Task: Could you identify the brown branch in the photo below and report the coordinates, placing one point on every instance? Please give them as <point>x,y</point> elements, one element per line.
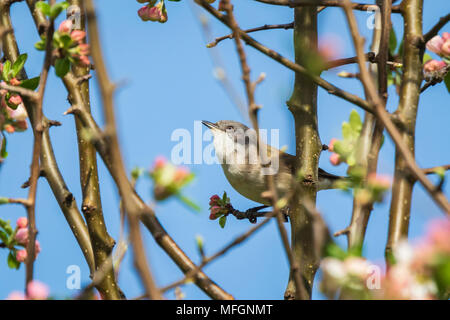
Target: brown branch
<point>331,89</point>
<point>264,27</point>
<point>434,169</point>
<point>402,149</point>
<point>436,28</point>
<point>370,56</point>
<point>125,189</point>
<point>102,243</point>
<point>325,3</point>
<point>38,128</point>
<point>48,162</point>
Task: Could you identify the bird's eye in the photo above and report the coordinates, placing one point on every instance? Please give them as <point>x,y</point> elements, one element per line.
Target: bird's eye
<point>230,128</point>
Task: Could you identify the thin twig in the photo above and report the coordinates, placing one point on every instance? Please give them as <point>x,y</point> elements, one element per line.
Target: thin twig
<point>285,26</point>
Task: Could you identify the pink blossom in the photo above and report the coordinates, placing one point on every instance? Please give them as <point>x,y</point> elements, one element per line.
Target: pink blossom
<point>21,255</point>
<point>22,222</point>
<point>16,295</point>
<point>446,36</point>
<point>181,174</point>
<point>438,234</point>
<point>37,290</point>
<point>22,236</point>
<point>65,26</point>
<point>435,44</point>
<point>330,47</point>
<point>14,82</point>
<point>19,114</point>
<point>335,159</point>
<point>433,65</point>
<point>160,162</point>
<point>379,180</point>
<point>37,247</point>
<point>78,35</point>
<point>84,60</point>
<point>83,49</point>
<point>445,49</point>
<point>15,100</point>
<point>9,128</point>
<point>331,144</point>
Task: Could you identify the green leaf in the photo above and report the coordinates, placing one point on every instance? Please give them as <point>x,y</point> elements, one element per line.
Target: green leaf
<point>65,41</point>
<point>222,221</point>
<point>334,251</point>
<point>355,122</point>
<point>346,130</point>
<point>3,153</point>
<point>62,66</point>
<point>6,70</point>
<point>40,45</point>
<point>12,261</point>
<point>426,57</point>
<point>30,84</point>
<point>6,225</point>
<point>392,41</point>
<point>57,8</point>
<point>18,64</point>
<point>447,81</point>
<point>43,7</point>
<point>4,237</point>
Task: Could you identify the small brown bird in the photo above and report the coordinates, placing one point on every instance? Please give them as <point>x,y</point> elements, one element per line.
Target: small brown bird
<point>236,146</point>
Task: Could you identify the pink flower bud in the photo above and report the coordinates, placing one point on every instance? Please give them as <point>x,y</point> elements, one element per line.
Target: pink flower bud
<point>331,144</point>
<point>9,128</point>
<point>433,65</point>
<point>335,159</point>
<point>153,13</point>
<point>65,26</point>
<point>213,200</point>
<point>21,255</point>
<point>15,100</point>
<point>84,60</point>
<point>435,44</point>
<point>37,290</point>
<point>379,180</point>
<point>22,222</point>
<point>213,212</point>
<point>83,49</point>
<point>181,174</point>
<point>446,36</point>
<point>160,162</point>
<point>78,35</point>
<point>445,49</point>
<point>37,247</point>
<point>14,82</point>
<point>18,114</point>
<point>22,236</point>
<point>16,295</point>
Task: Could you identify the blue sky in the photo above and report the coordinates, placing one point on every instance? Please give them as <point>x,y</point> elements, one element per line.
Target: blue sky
<point>166,82</point>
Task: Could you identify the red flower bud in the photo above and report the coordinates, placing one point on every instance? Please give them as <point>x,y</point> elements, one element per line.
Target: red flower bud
<point>83,49</point>
<point>331,144</point>
<point>213,200</point>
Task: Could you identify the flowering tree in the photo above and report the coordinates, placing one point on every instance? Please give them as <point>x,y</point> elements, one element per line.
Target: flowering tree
<point>414,271</point>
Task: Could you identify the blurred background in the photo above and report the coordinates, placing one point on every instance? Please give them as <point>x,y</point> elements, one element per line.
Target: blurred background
<point>166,82</point>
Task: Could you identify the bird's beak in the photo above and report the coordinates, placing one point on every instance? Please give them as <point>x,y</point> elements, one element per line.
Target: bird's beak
<point>210,125</point>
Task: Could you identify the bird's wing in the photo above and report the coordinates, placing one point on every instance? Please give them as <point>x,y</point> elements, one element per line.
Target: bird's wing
<point>289,160</point>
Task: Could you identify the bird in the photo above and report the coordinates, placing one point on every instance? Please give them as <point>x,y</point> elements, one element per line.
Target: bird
<point>235,147</point>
